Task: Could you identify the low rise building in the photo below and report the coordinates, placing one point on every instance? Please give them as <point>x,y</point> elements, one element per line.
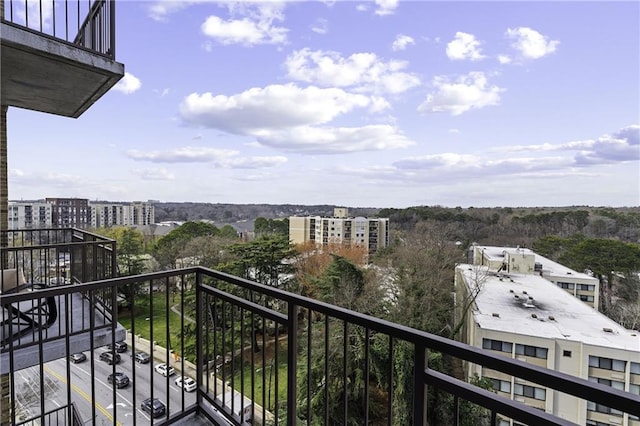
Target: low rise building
<point>521,315</point>
<point>524,261</point>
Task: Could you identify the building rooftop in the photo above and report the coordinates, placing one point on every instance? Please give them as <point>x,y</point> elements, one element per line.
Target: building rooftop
<point>549,266</point>
<point>530,305</point>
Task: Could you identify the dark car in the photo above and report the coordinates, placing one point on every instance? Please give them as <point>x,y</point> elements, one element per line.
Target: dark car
<point>120,347</point>
<point>77,357</point>
<point>154,407</point>
<point>120,379</point>
<point>110,357</point>
<point>142,357</point>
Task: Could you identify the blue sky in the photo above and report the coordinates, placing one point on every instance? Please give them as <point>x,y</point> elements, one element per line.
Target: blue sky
<point>355,103</point>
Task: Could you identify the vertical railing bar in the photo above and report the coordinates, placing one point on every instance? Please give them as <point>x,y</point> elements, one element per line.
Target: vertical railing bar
<point>326,369</point>
<point>418,384</point>
<point>53,14</point>
<point>277,368</point>
<point>152,342</point>
<point>366,375</point>
<point>132,295</point>
<point>493,417</point>
<point>181,353</point>
<point>292,363</point>
<point>345,354</point>
<point>233,357</point>
<point>309,333</point>
<point>254,342</point>
<point>224,351</point>
<point>92,323</point>
<point>242,314</point>
<point>170,352</point>
<point>112,30</point>
<point>67,345</point>
<point>264,368</point>
<point>114,322</point>
<point>66,20</point>
<point>199,343</point>
<point>390,384</point>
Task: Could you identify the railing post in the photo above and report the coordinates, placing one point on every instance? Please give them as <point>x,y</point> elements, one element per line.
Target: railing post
<point>292,364</point>
<point>112,28</point>
<point>199,341</point>
<point>419,387</point>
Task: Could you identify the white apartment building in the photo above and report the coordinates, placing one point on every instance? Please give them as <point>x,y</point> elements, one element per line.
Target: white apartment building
<point>121,214</point>
<point>525,261</point>
<point>53,212</point>
<point>522,315</point>
<point>371,233</point>
<point>24,215</point>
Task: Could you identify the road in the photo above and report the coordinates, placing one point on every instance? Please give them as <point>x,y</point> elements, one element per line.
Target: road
<point>122,404</point>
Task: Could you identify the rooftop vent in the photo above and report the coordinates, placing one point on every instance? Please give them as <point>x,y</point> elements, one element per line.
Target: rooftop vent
<point>511,291</point>
<point>552,318</point>
<point>568,272</point>
<point>528,305</point>
<point>516,296</point>
<point>607,330</point>
<point>530,297</point>
<point>534,316</point>
<point>495,314</point>
<point>524,291</point>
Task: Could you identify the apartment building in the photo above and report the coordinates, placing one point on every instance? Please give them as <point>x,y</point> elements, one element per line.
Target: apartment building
<point>121,214</point>
<point>37,214</point>
<point>522,315</point>
<point>72,212</point>
<point>371,233</point>
<point>522,260</point>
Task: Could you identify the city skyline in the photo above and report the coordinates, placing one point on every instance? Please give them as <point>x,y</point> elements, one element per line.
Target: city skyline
<point>354,103</point>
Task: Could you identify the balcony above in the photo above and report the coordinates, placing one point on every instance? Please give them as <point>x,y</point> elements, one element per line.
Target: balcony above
<point>63,74</point>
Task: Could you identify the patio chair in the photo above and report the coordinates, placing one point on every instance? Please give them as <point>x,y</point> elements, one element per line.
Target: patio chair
<point>19,319</point>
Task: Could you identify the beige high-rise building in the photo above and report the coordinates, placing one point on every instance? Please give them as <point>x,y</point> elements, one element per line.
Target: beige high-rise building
<point>371,233</point>
<point>522,315</point>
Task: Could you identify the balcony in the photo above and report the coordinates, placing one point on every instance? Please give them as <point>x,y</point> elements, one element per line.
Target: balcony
<point>258,355</point>
<point>57,57</point>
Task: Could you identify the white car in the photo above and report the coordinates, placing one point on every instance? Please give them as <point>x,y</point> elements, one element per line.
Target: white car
<point>165,370</point>
<point>186,383</point>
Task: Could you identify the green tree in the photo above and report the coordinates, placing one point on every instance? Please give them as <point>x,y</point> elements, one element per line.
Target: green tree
<point>169,247</point>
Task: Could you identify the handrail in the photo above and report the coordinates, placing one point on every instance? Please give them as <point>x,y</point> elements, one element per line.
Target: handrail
<point>62,21</point>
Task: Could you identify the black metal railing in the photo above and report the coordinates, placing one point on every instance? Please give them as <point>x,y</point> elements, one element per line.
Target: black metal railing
<point>50,258</point>
<point>86,23</point>
<point>262,354</point>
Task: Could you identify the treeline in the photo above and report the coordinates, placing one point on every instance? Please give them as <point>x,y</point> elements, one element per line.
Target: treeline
<point>506,226</point>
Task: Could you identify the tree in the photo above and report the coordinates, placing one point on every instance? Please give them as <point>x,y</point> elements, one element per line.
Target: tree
<point>169,247</point>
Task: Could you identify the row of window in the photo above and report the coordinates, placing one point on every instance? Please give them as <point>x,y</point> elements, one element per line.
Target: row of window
<point>585,298</point>
<point>611,364</point>
<point>530,391</point>
<point>584,287</point>
<point>527,350</point>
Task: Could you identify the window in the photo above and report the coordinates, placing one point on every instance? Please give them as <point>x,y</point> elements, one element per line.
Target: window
<point>635,367</point>
<point>501,385</point>
<point>586,287</point>
<point>606,363</point>
<point>497,345</point>
<point>585,298</point>
<point>530,391</point>
<point>533,351</point>
<point>566,353</point>
<point>566,286</point>
<point>592,406</point>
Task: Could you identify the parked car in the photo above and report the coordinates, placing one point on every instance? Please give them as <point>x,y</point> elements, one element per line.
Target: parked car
<point>154,407</point>
<point>120,379</point>
<point>110,357</point>
<point>165,370</point>
<point>77,357</point>
<point>142,357</point>
<point>120,347</point>
<point>186,383</point>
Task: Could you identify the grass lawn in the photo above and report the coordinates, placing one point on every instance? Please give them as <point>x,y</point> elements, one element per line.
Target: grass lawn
<point>142,319</point>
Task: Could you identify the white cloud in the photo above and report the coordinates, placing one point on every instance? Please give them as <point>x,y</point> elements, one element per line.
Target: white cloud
<point>386,7</point>
<point>402,41</point>
<point>154,174</point>
<point>272,107</point>
<point>321,26</point>
<point>128,84</point>
<point>223,158</point>
<point>504,59</point>
<point>255,25</point>
<point>467,92</point>
<point>530,43</point>
<point>362,7</point>
<point>361,71</point>
<point>464,46</point>
<point>335,140</point>
<point>620,147</point>
<point>160,9</point>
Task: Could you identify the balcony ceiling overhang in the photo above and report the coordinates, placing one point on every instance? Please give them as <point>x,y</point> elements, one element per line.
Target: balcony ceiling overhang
<point>43,74</point>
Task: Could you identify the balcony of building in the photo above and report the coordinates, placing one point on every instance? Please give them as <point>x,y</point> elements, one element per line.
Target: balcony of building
<point>257,354</point>
<point>57,56</point>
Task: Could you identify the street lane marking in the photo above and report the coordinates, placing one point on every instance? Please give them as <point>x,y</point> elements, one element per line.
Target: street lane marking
<point>82,393</point>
